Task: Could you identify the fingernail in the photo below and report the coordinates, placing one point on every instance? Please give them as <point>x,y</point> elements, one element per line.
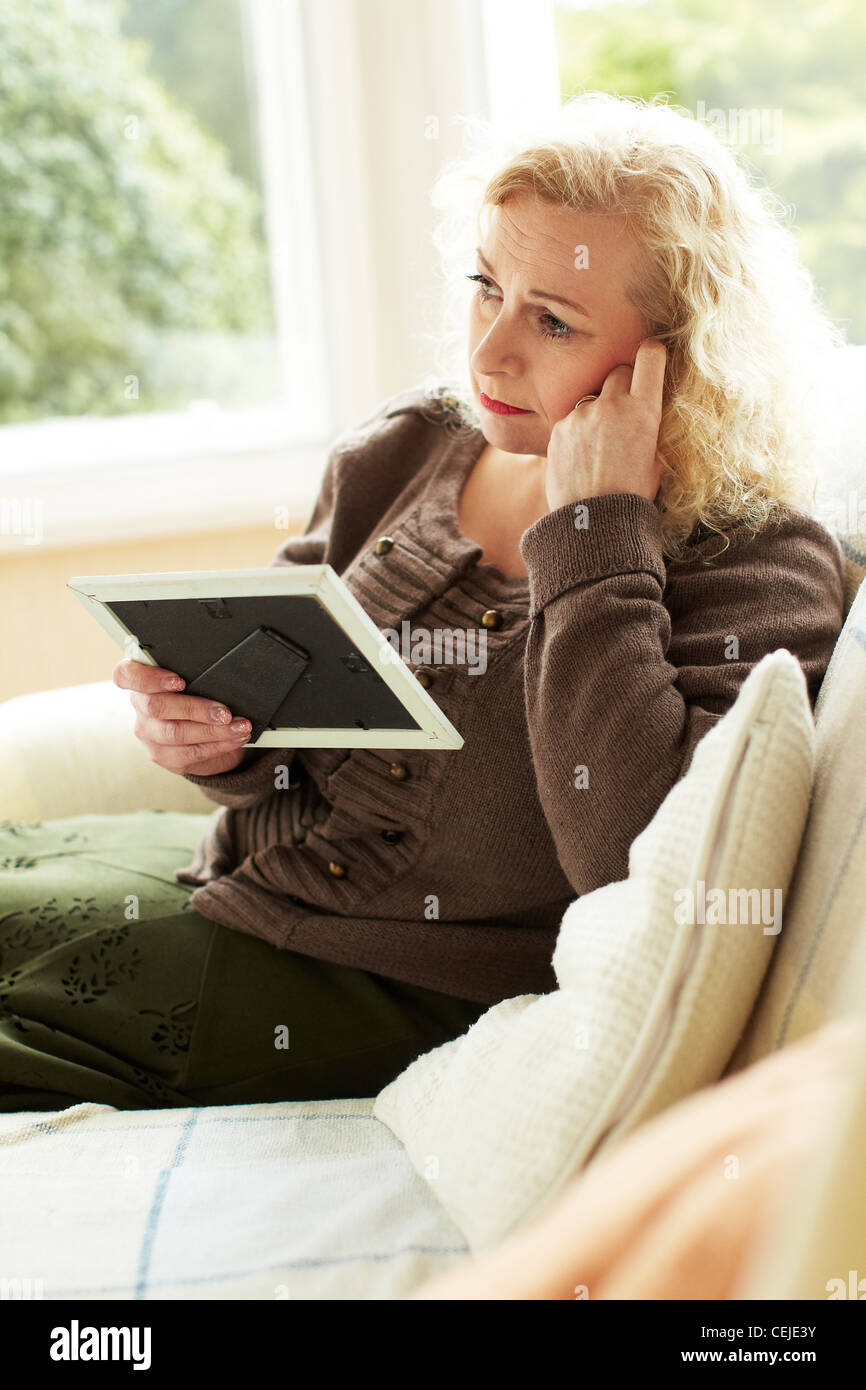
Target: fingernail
<point>173,683</point>
<point>219,712</point>
<point>239,726</point>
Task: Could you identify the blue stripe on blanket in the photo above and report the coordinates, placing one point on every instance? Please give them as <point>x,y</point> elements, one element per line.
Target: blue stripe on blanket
<point>156,1207</point>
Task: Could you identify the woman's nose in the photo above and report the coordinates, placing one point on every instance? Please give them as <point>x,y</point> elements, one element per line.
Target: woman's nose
<point>497,351</point>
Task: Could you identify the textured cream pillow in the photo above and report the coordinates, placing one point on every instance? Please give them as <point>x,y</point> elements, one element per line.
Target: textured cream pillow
<point>649,1006</point>
<point>827,901</point>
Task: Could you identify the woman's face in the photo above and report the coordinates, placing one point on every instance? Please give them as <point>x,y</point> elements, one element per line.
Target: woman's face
<point>535,350</point>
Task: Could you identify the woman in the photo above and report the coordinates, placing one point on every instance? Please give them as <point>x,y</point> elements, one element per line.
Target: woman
<point>613,499</point>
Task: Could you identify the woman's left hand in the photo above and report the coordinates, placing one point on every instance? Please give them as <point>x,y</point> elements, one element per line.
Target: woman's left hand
<point>609,444</point>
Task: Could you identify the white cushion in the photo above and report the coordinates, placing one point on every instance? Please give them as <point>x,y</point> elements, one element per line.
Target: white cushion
<point>827,902</point>
<point>649,1007</point>
<point>73,751</point>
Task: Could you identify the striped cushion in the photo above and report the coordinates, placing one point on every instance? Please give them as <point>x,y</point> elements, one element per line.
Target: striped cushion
<point>854,550</point>
<point>826,909</point>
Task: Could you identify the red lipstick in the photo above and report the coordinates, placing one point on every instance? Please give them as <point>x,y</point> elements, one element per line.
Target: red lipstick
<point>500,407</point>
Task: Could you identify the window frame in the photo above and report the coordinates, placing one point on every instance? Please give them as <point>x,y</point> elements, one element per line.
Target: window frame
<point>355,265</point>
<point>205,466</point>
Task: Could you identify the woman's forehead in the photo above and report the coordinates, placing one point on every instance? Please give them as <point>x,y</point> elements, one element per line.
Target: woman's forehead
<point>564,246</point>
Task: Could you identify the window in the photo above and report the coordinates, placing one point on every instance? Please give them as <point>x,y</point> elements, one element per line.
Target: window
<point>782,84</point>
<point>161,286</point>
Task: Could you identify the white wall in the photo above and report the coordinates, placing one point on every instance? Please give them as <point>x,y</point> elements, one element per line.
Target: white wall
<point>380,73</point>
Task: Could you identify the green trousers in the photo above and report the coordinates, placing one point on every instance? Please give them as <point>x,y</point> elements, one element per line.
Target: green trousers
<point>113,989</point>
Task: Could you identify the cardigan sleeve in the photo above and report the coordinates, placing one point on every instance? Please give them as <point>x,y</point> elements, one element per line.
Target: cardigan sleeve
<point>629,662</point>
<point>255,778</point>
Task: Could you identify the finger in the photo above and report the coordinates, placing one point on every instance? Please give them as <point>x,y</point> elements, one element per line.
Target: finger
<point>648,375</point>
<point>617,381</point>
<point>215,766</point>
<point>191,757</point>
<point>195,708</point>
<point>185,732</point>
<point>137,675</point>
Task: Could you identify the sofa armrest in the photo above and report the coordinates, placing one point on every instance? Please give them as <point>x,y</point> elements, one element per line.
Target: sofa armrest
<point>72,751</point>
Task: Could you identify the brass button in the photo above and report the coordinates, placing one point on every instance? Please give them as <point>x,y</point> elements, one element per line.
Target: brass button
<point>383,545</point>
<point>492,618</point>
<point>399,771</point>
<point>392,837</point>
<point>337,870</point>
<point>424,678</point>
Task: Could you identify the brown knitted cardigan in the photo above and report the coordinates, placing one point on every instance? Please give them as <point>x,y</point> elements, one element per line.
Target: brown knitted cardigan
<point>452,869</point>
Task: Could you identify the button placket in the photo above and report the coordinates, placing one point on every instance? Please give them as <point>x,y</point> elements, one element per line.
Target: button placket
<point>400,577</point>
<point>393,578</point>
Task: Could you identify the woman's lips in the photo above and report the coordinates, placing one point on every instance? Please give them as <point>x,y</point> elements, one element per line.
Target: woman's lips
<point>500,408</point>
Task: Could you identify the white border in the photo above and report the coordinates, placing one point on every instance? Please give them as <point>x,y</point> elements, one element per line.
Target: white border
<point>320,581</point>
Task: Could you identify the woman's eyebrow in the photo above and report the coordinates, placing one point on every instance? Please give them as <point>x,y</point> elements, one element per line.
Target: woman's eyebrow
<point>540,294</point>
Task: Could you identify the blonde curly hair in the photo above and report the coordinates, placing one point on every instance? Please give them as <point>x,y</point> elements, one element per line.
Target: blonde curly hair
<point>724,290</point>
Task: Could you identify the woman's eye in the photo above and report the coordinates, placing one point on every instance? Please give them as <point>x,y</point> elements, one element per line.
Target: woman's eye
<point>483,286</point>
<point>557,328</point>
<point>552,327</point>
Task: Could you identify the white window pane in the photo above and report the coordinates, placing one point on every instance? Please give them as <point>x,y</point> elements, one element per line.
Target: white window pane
<point>138,274</point>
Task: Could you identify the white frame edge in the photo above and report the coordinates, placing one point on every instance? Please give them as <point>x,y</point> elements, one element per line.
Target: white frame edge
<point>320,581</point>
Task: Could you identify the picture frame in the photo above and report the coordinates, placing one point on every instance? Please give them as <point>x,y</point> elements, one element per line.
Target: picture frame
<point>288,647</point>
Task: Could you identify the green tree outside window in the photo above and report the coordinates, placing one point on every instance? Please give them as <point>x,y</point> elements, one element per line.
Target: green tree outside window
<point>784,84</point>
<point>129,247</point>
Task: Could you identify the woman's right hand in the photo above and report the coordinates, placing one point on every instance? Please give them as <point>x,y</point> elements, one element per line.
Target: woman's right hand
<point>182,733</point>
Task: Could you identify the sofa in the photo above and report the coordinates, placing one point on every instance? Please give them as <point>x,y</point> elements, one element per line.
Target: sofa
<point>338,1198</point>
